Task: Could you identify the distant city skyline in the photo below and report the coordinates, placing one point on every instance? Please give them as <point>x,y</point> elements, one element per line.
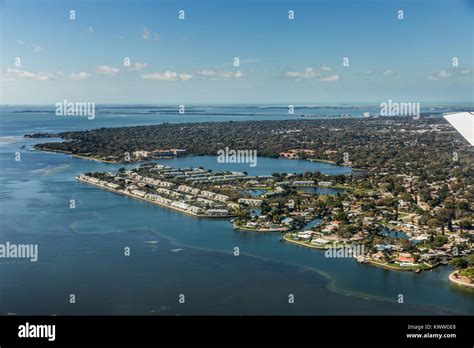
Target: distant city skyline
<point>142,52</point>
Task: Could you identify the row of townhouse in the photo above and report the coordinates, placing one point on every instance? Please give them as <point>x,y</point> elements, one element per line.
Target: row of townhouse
<point>139,193</point>
<point>206,201</point>
<point>194,180</point>
<point>174,173</point>
<point>303,183</point>
<point>157,182</point>
<point>188,189</point>
<point>98,181</point>
<point>215,196</point>
<point>175,204</point>
<point>194,171</point>
<point>217,212</point>
<point>158,199</point>
<point>169,192</point>
<point>158,153</point>
<point>89,179</point>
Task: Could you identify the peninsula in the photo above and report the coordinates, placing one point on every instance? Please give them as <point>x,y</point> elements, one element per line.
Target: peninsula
<point>411,206</point>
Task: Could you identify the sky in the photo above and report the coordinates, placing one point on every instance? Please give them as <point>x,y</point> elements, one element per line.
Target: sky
<point>423,54</point>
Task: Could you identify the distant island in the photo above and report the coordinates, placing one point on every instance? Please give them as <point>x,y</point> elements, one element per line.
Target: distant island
<point>411,208</point>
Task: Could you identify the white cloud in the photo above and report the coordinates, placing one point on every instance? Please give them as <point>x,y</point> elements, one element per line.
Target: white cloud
<point>138,66</point>
<point>326,68</point>
<point>34,47</point>
<point>450,73</point>
<point>185,77</point>
<point>311,74</point>
<point>147,35</point>
<point>388,73</point>
<point>292,74</point>
<point>23,74</point>
<point>308,73</point>
<point>107,70</point>
<point>167,76</point>
<point>90,29</point>
<point>80,76</point>
<point>440,75</point>
<point>214,74</point>
<point>330,78</point>
<point>444,74</point>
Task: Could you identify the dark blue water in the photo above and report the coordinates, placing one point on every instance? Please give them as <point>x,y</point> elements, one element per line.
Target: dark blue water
<point>81,250</point>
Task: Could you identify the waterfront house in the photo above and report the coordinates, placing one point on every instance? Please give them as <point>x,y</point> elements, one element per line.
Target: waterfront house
<point>405,260</point>
<point>178,152</point>
<point>140,154</point>
<point>320,241</point>
<point>180,205</point>
<point>139,193</point>
<point>305,235</point>
<point>378,256</point>
<point>112,185</point>
<point>195,210</point>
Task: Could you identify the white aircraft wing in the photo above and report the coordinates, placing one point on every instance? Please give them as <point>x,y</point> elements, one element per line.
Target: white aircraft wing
<point>463,122</point>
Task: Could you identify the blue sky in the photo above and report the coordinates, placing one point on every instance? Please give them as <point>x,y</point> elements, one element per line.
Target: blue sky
<point>191,60</point>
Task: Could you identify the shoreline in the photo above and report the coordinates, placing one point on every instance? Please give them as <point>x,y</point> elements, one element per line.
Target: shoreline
<point>368,262</point>
<point>164,157</point>
<point>303,244</point>
<point>258,229</point>
<point>458,282</point>
<point>80,156</point>
<point>154,202</point>
<point>400,268</point>
<point>332,162</point>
